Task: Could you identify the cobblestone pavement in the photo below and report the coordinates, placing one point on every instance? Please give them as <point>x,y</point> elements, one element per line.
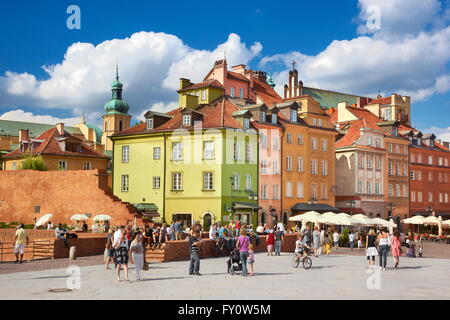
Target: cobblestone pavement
<point>331,277</point>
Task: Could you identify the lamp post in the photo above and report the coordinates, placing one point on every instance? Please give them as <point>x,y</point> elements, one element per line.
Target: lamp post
<point>253,197</point>
<point>351,204</point>
<point>390,208</point>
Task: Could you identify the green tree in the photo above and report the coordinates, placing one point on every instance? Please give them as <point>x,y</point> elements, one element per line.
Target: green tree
<point>33,163</point>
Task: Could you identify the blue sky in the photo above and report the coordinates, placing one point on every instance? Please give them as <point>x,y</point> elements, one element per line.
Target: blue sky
<point>156,42</point>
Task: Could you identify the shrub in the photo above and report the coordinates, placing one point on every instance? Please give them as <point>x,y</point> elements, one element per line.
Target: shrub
<point>343,239</point>
<point>33,163</point>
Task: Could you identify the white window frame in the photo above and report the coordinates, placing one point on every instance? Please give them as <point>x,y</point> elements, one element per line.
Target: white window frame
<point>177,151</point>
<point>177,181</point>
<point>125,183</point>
<point>125,154</point>
<point>209,150</point>
<point>187,120</point>
<point>156,182</point>
<point>150,124</point>
<point>208,181</point>
<point>156,153</point>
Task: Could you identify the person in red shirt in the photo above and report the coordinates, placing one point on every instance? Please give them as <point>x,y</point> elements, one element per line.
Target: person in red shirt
<point>270,242</point>
<point>237,226</point>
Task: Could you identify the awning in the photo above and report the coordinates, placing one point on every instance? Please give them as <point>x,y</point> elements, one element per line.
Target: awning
<point>245,206</point>
<point>146,208</point>
<point>318,207</point>
<point>427,214</point>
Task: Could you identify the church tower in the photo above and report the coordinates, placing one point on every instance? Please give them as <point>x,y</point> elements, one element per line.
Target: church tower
<point>294,87</point>
<point>116,118</point>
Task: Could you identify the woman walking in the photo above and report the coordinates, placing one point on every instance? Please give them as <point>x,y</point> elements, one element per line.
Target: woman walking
<point>371,250</point>
<point>316,241</point>
<point>109,249</point>
<point>383,248</point>
<point>270,242</point>
<point>327,244</point>
<point>242,245</point>
<point>137,256</point>
<point>396,246</point>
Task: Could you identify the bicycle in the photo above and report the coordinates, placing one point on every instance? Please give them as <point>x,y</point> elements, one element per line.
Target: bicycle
<point>304,259</point>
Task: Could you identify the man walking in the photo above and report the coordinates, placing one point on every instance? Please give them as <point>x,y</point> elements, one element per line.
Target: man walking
<point>279,237</point>
<point>177,228</point>
<point>194,242</point>
<point>336,239</point>
<point>19,243</point>
<point>351,240</point>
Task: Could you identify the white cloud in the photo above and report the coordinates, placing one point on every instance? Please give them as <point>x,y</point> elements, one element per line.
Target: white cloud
<point>441,133</point>
<point>150,67</point>
<point>415,65</point>
<point>20,115</point>
<point>399,17</point>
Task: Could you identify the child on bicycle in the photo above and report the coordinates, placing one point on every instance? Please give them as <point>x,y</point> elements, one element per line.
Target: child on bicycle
<point>301,249</point>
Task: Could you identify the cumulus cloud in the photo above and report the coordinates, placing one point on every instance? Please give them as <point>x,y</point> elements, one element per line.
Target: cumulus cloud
<point>415,64</point>
<point>150,67</point>
<point>441,133</point>
<point>20,115</point>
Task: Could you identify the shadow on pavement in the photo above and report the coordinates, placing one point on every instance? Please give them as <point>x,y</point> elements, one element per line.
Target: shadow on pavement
<point>168,278</point>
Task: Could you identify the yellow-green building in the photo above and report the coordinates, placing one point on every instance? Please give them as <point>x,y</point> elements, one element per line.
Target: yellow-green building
<point>196,163</point>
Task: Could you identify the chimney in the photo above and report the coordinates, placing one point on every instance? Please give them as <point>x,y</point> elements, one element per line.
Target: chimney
<point>240,68</point>
<point>261,76</point>
<point>184,83</point>
<point>24,135</point>
<point>60,127</point>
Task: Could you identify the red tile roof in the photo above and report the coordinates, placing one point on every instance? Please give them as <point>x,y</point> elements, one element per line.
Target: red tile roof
<point>266,93</point>
<point>386,100</point>
<point>50,146</point>
<point>237,76</point>
<point>204,84</point>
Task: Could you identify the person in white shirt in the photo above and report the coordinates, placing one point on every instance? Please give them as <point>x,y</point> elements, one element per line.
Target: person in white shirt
<point>280,226</point>
<point>260,229</point>
<point>351,240</point>
<point>213,232</point>
<point>336,240</point>
<point>120,246</point>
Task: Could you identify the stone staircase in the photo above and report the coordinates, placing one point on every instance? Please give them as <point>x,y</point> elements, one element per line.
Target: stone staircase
<point>155,255</point>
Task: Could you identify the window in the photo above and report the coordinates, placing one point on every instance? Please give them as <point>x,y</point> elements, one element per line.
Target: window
<point>446,198</point>
<point>204,95</point>
<point>294,115</point>
<point>246,123</point>
<point>248,152</point>
<point>430,196</point>
<point>390,168</point>
<point>156,182</point>
<point>360,161</point>
<point>289,138</point>
<point>236,181</point>
<point>237,151</point>
<point>419,175</point>
<point>378,162</point>
<point>275,143</point>
<point>369,141</point>
<point>208,181</point>
<point>440,161</point>
<point>446,162</point>
<point>186,120</point>
<point>377,188</point>
<point>177,151</point>
<point>288,189</point>
<point>314,144</point>
<point>419,196</point>
<point>288,163</point>
<point>62,165</point>
<point>208,150</point>
<point>413,158</point>
<point>300,167</point>
<point>370,162</point>
<point>262,116</point>
<point>404,170</point>
<point>125,183</point>
<point>324,145</point>
<point>125,154</point>
<point>390,147</point>
<point>387,114</point>
<point>300,190</point>
<point>413,196</point>
<point>241,93</point>
<point>232,93</point>
<point>391,190</point>
<point>377,143</point>
<point>405,190</point>
<point>369,187</point>
<point>264,192</point>
<point>263,166</point>
<point>419,158</point>
<point>276,192</point>
<point>87,166</point>
<point>149,123</point>
<point>430,176</point>
<point>276,169</point>
<point>274,118</point>
<point>430,159</point>
<point>299,139</point>
<point>314,122</point>
<point>314,191</point>
<point>248,182</point>
<point>156,153</point>
<point>397,169</point>
<point>263,141</point>
<point>313,166</point>
<point>324,192</point>
<point>319,122</point>
<point>413,176</point>
<point>177,181</point>
<point>324,167</point>
<point>397,190</point>
<point>397,148</point>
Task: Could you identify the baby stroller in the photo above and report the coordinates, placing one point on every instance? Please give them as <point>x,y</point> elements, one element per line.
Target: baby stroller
<point>234,263</point>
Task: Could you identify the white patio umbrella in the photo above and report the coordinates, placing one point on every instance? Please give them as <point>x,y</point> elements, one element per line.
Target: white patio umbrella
<point>310,216</point>
<point>43,220</point>
<point>102,217</point>
<point>431,220</point>
<point>344,220</point>
<point>328,219</point>
<point>446,224</point>
<point>382,222</point>
<point>392,226</point>
<point>416,220</point>
<point>79,217</point>
<point>342,214</point>
<point>360,219</point>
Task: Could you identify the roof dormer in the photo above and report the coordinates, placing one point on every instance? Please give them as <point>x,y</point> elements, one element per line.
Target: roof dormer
<point>155,119</point>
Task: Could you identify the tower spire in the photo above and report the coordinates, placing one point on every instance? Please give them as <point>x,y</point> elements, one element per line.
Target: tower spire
<point>117,72</point>
<point>293,65</point>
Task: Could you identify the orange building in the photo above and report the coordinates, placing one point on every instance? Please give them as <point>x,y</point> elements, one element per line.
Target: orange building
<point>59,149</point>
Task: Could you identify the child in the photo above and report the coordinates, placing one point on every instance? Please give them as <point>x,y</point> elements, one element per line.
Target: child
<point>327,244</point>
<point>298,245</point>
<point>194,242</point>
<point>251,258</point>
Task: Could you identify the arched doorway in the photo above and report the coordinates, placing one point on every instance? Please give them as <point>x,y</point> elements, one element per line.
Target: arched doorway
<point>207,222</point>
